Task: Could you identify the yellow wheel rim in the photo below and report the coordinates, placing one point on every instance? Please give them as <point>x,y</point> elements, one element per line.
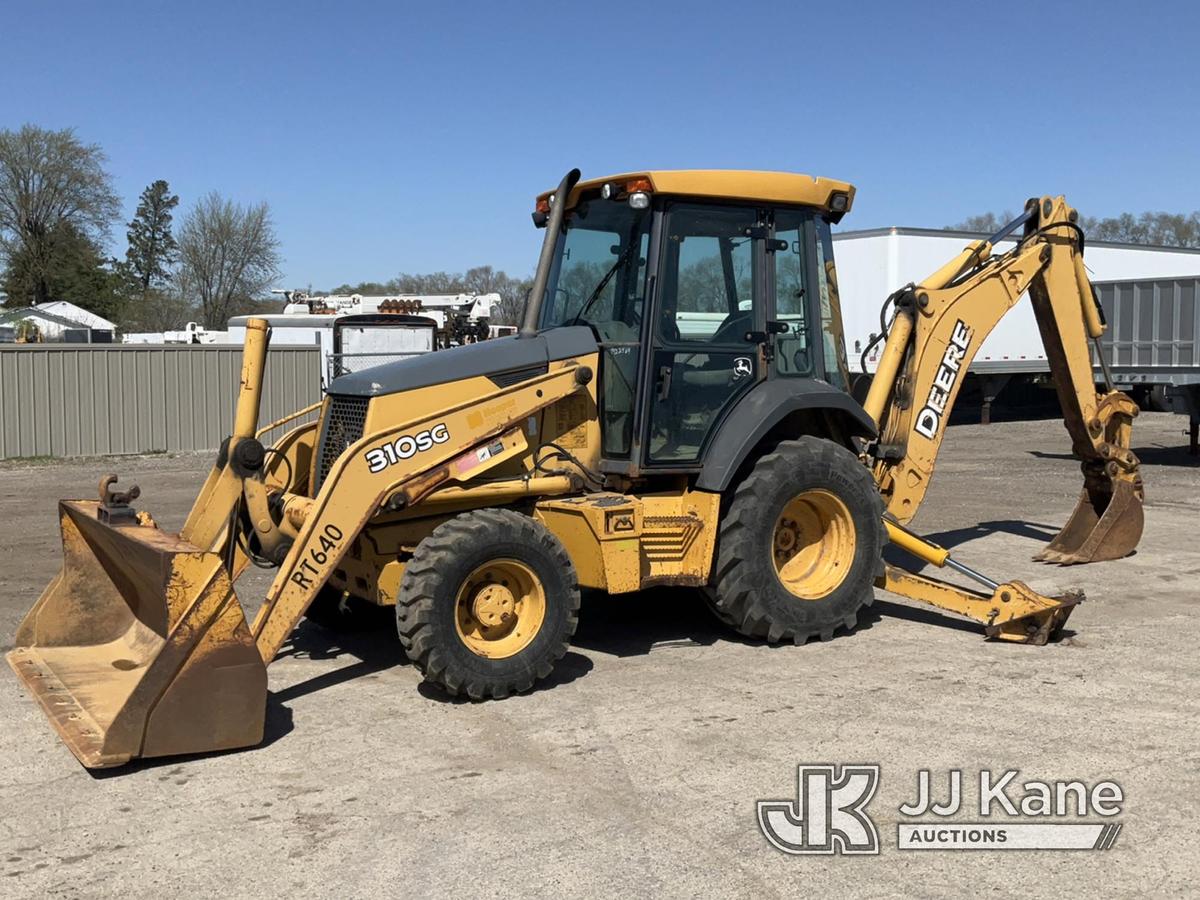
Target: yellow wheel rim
<point>500,609</point>
<point>812,546</point>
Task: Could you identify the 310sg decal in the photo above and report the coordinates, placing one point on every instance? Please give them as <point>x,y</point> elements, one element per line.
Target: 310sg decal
<point>405,447</point>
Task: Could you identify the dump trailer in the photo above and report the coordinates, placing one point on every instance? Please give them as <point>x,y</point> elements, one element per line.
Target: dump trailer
<point>674,410</point>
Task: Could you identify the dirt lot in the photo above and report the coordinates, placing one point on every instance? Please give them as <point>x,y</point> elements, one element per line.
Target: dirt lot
<point>638,768</point>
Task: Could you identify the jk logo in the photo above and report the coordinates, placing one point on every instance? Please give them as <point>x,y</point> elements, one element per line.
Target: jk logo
<point>828,815</point>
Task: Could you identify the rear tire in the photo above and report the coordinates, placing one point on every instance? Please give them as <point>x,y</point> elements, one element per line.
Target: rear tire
<point>800,544</point>
<point>488,604</point>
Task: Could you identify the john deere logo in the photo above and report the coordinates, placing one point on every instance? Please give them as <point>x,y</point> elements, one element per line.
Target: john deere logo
<point>828,815</point>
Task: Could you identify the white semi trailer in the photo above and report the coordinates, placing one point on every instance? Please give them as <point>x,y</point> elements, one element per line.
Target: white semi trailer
<point>1149,295</point>
<point>872,264</point>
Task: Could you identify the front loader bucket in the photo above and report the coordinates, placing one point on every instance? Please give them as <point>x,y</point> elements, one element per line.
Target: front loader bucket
<point>139,646</point>
<point>1106,524</point>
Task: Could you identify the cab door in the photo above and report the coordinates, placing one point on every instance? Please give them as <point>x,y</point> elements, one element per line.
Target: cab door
<point>707,346</point>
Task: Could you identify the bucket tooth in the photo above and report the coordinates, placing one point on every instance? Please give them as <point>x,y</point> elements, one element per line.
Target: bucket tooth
<point>139,647</point>
<point>1106,524</point>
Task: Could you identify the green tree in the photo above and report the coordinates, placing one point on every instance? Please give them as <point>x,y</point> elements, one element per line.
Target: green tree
<point>54,192</point>
<point>153,250</point>
<point>67,265</point>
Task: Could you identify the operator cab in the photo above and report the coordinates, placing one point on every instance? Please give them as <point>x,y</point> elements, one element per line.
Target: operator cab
<point>698,286</point>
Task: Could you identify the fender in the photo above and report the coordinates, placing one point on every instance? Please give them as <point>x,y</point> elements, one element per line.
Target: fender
<point>764,407</point>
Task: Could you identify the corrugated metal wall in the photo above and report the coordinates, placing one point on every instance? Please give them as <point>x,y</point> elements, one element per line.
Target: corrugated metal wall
<point>84,400</point>
<point>1152,323</point>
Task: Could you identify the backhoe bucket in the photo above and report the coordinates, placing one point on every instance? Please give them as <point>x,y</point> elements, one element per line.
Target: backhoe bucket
<point>139,646</point>
<point>1104,525</point>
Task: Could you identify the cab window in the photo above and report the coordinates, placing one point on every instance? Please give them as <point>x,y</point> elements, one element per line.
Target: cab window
<point>835,368</point>
<point>793,346</point>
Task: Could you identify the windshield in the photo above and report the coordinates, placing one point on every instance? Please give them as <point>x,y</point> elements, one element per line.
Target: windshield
<point>599,270</point>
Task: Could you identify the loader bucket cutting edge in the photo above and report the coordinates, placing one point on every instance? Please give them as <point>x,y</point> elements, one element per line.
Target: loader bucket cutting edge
<point>1103,526</point>
<point>139,646</point>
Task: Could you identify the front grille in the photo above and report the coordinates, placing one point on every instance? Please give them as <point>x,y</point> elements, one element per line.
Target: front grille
<point>343,425</point>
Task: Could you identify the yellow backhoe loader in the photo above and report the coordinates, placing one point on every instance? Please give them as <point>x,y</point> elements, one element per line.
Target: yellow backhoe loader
<point>674,410</point>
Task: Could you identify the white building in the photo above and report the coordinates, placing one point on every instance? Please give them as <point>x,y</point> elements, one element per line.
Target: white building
<point>872,264</point>
<point>86,318</point>
<point>60,320</point>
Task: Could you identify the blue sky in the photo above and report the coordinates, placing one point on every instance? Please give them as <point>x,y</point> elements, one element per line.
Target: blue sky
<point>394,137</point>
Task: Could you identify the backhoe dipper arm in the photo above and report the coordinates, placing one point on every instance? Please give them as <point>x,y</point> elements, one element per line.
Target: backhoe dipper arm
<point>935,334</point>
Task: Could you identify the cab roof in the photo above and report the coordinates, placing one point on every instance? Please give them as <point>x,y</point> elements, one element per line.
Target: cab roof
<point>731,184</point>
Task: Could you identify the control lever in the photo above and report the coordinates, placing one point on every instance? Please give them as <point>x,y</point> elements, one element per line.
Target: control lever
<point>664,382</point>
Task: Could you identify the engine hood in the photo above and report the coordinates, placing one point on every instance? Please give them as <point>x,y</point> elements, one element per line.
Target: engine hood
<point>487,358</point>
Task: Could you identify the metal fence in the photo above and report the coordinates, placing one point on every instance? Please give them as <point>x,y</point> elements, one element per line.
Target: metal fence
<point>92,399</point>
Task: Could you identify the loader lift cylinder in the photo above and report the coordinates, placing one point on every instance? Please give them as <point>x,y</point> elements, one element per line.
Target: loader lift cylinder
<point>254,362</point>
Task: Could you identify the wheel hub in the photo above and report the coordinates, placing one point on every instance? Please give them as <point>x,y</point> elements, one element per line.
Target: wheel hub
<point>812,545</point>
<point>785,538</point>
<point>494,605</point>
<point>500,608</point>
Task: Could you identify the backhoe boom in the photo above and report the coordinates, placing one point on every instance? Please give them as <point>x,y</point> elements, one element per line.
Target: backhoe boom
<point>939,326</point>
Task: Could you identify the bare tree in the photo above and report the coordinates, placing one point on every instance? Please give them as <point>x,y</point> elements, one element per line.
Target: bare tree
<point>1159,228</point>
<point>228,255</point>
<point>512,291</point>
<point>48,180</point>
<point>479,280</point>
<point>987,223</point>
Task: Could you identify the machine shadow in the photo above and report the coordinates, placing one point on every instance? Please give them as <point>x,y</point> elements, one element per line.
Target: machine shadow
<point>625,625</point>
<point>278,724</point>
<point>633,624</point>
<point>620,625</point>
<point>886,609</point>
<point>372,641</point>
<point>571,666</point>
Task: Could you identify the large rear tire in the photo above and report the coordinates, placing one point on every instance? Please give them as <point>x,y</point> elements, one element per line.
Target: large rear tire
<point>488,604</point>
<point>800,545</point>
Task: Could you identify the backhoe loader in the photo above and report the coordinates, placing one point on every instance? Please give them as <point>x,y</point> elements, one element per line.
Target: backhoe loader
<point>673,411</point>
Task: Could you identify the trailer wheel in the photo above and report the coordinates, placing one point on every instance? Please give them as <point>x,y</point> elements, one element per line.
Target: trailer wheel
<point>800,544</point>
<point>488,604</point>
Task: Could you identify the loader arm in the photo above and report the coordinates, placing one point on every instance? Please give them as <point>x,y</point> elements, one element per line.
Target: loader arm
<point>936,331</point>
<point>467,439</point>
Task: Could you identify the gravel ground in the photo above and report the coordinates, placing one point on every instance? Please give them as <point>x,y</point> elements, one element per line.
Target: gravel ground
<point>636,769</point>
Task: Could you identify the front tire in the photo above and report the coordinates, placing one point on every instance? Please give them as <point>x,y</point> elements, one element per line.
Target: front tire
<point>488,604</point>
<point>800,544</point>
